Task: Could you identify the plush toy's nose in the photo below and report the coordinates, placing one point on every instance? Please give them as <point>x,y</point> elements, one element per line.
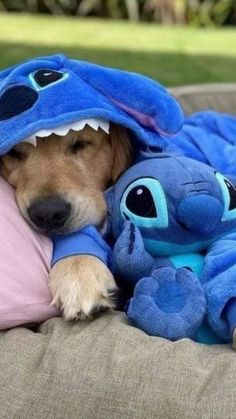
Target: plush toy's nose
<point>200,213</point>
<point>16,100</point>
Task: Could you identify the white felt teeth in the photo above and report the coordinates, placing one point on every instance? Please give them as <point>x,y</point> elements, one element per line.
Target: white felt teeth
<point>62,130</point>
<point>31,140</point>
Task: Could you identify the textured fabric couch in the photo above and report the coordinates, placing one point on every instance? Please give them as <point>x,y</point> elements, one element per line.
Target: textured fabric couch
<point>107,369</point>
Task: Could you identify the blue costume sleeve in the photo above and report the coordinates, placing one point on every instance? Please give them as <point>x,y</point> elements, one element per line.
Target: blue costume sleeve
<point>87,241</point>
<point>219,282</point>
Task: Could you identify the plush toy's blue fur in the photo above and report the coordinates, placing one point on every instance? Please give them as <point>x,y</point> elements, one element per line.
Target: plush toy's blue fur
<point>173,220</point>
<point>83,90</point>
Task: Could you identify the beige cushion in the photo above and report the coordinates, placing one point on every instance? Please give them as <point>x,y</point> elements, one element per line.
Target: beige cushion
<point>220,97</point>
<point>107,369</point>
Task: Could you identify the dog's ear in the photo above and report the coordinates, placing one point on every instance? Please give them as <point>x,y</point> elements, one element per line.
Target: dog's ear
<point>121,150</point>
<point>143,99</point>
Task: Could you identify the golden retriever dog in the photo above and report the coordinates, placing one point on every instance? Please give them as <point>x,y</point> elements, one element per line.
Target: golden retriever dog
<point>59,187</point>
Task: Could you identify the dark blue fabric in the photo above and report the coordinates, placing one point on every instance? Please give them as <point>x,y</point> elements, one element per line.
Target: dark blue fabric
<point>16,100</point>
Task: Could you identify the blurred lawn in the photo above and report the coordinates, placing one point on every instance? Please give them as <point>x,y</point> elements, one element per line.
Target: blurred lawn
<point>174,56</point>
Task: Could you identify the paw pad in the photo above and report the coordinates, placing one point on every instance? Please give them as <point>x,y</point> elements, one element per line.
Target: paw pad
<point>170,297</point>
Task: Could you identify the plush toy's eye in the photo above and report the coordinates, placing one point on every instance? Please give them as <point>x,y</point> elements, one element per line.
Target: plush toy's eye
<point>229,195</point>
<point>44,77</point>
<point>144,203</point>
<point>140,201</point>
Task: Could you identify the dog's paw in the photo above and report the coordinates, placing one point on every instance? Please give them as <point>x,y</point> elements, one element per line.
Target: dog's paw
<point>82,286</point>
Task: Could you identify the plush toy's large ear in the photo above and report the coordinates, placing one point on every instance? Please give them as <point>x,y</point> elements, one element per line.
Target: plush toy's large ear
<point>140,97</point>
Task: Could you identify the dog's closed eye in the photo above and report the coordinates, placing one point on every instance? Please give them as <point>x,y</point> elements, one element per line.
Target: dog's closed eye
<point>79,145</point>
<point>16,154</point>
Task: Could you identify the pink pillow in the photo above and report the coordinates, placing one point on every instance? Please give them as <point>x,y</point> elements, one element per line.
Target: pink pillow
<point>25,258</point>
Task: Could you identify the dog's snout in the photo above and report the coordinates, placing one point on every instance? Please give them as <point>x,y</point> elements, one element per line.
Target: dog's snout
<point>49,213</point>
<point>16,100</point>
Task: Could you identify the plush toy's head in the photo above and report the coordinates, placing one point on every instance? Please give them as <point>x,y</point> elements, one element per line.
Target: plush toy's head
<point>179,204</point>
<point>55,94</point>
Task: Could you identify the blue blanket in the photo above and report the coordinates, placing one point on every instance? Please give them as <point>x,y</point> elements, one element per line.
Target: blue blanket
<point>210,137</point>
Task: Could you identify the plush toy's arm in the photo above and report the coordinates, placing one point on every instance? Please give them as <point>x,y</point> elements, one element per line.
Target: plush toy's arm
<point>131,261</point>
<point>87,241</point>
<point>219,282</point>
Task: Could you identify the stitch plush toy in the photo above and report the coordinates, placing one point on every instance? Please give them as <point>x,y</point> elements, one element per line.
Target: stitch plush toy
<point>174,219</point>
<point>172,214</point>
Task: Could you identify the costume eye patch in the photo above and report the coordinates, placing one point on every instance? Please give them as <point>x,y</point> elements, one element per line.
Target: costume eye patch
<point>144,203</point>
<point>45,77</point>
<point>229,195</point>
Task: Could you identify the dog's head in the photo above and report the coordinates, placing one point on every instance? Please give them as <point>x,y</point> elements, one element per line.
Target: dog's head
<point>59,183</point>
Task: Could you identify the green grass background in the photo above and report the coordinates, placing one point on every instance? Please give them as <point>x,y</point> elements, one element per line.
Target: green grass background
<point>172,55</point>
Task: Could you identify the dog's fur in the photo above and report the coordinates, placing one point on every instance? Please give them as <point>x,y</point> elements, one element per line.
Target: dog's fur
<point>78,168</point>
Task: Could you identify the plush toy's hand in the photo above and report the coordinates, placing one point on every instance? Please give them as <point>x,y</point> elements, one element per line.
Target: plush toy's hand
<point>131,260</point>
<point>170,303</point>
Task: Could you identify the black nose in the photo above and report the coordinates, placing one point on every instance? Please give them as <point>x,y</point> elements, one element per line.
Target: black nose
<point>49,213</point>
<point>16,100</point>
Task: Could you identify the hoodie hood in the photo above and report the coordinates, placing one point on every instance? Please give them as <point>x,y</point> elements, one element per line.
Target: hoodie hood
<point>56,94</point>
